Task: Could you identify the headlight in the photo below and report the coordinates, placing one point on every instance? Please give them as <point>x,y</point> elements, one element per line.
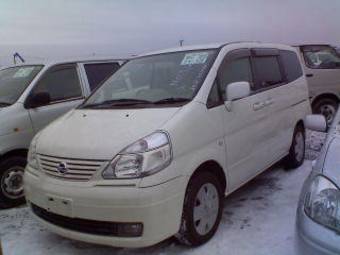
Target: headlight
<point>322,203</point>
<point>144,157</point>
<point>32,154</point>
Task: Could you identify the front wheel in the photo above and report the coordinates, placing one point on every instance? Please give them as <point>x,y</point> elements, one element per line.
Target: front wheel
<point>11,182</point>
<point>202,210</point>
<point>296,154</point>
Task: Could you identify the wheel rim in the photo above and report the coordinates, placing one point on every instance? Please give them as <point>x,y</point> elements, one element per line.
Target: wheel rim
<point>12,183</point>
<point>299,146</point>
<point>328,111</point>
<point>206,208</point>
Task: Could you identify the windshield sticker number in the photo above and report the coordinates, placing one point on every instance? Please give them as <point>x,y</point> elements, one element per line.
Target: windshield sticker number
<point>195,58</point>
<point>23,72</point>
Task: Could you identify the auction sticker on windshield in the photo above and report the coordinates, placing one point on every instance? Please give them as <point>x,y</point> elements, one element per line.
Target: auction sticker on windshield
<point>23,72</point>
<point>195,58</point>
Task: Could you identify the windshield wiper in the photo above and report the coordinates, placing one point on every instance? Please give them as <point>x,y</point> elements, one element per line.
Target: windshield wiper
<point>117,102</point>
<point>171,100</point>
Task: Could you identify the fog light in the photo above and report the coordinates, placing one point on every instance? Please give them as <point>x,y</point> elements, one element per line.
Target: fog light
<point>130,229</point>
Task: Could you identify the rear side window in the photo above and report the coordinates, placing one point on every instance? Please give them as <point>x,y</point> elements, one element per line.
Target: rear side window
<point>99,72</point>
<point>61,82</point>
<point>321,57</point>
<point>267,71</point>
<point>291,65</point>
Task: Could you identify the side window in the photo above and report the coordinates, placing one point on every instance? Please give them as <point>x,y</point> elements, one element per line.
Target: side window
<point>61,82</point>
<point>214,98</point>
<point>321,57</point>
<point>267,71</point>
<point>99,72</point>
<point>234,71</point>
<point>291,65</point>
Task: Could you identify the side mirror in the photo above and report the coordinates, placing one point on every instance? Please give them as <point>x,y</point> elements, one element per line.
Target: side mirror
<point>238,90</point>
<point>38,99</point>
<point>316,122</point>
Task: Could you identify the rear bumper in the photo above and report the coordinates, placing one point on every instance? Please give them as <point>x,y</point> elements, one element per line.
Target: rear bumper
<point>158,208</point>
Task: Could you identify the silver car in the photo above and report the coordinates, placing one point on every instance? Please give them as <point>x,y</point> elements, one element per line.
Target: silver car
<point>318,213</point>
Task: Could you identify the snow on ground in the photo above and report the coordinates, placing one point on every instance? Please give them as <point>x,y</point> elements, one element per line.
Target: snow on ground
<point>259,219</point>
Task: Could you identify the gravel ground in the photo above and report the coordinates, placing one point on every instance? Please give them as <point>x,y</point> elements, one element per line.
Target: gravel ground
<point>257,219</point>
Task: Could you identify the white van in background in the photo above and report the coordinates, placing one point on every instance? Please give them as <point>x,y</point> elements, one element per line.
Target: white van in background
<point>31,96</point>
<point>322,68</point>
<point>154,150</point>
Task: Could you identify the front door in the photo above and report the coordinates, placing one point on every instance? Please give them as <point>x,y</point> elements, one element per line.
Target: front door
<point>246,123</point>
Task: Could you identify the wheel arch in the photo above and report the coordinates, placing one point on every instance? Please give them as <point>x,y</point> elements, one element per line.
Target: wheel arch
<point>214,167</point>
<point>323,96</point>
<point>15,152</point>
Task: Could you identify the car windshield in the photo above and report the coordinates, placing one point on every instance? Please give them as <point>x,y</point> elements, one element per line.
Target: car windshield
<point>321,57</point>
<point>14,80</point>
<point>164,79</point>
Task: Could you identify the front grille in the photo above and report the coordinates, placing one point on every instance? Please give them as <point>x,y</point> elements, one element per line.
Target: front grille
<point>106,228</point>
<point>76,169</point>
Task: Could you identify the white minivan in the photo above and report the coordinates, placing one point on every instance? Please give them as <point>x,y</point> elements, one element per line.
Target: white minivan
<point>31,96</point>
<point>153,151</point>
<point>322,68</point>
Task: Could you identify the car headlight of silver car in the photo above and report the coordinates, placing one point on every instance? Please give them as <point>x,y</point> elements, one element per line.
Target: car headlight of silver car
<point>32,154</point>
<point>322,203</point>
<point>147,156</point>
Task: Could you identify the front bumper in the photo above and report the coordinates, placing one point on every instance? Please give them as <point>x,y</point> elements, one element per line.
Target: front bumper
<point>158,208</point>
<point>313,238</point>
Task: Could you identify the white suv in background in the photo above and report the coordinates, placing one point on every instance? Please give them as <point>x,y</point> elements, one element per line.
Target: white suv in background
<point>154,150</point>
<point>322,67</point>
<point>31,96</point>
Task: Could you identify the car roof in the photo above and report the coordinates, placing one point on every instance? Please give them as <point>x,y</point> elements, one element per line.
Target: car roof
<point>52,62</point>
<point>216,46</point>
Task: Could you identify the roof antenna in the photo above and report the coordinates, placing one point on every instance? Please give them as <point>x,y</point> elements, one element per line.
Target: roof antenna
<point>17,55</point>
<point>181,42</point>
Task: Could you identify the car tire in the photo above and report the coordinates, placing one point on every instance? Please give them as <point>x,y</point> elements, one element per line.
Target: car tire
<point>327,107</point>
<point>204,197</point>
<point>11,182</point>
<point>296,155</point>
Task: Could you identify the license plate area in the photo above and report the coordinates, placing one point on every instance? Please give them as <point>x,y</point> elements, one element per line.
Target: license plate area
<point>59,205</point>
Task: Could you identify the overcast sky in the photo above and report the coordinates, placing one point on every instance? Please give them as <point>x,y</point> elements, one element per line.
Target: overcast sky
<point>58,28</point>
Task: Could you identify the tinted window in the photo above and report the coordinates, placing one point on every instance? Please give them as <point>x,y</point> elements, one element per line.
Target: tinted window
<point>61,82</point>
<point>97,73</point>
<point>267,70</point>
<point>234,71</point>
<point>214,96</point>
<point>291,64</point>
<point>321,57</point>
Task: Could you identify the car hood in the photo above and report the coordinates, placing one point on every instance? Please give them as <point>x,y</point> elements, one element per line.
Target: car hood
<point>100,134</point>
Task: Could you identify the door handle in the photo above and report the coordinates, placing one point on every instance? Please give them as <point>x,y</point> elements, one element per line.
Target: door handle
<point>309,75</point>
<point>268,102</point>
<point>258,106</point>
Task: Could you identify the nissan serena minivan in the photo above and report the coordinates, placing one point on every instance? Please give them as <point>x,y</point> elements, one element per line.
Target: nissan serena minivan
<point>153,151</point>
<point>31,96</point>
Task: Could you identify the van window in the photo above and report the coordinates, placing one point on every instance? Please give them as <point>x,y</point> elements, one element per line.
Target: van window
<point>14,80</point>
<point>99,72</point>
<point>214,98</point>
<point>234,71</point>
<point>321,57</point>
<point>61,82</point>
<point>165,79</point>
<point>267,71</point>
<point>291,65</point>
